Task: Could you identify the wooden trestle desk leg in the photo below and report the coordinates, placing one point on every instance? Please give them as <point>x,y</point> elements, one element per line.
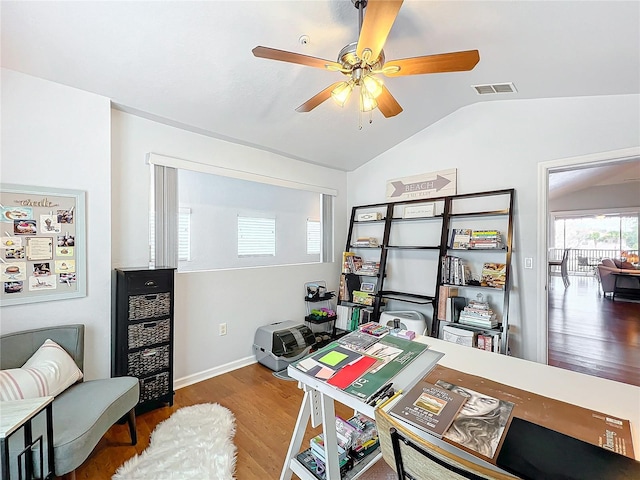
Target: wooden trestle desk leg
<point>320,409</point>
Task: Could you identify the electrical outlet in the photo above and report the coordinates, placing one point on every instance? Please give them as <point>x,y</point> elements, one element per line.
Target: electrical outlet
<point>222,329</point>
<point>528,262</point>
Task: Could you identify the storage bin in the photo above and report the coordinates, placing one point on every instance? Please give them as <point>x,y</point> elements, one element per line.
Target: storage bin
<point>154,386</point>
<point>149,306</point>
<point>149,333</point>
<point>148,360</point>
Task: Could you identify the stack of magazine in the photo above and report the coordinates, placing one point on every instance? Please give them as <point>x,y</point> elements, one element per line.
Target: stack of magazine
<point>478,313</point>
<point>361,364</point>
<point>473,420</point>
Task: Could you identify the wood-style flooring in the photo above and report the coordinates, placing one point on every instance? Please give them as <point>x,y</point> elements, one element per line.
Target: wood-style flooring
<point>587,333</point>
<point>592,334</point>
<point>265,407</point>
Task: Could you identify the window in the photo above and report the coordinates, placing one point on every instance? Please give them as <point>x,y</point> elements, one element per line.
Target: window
<point>256,236</point>
<point>313,237</point>
<point>614,232</point>
<point>210,218</point>
<point>184,234</point>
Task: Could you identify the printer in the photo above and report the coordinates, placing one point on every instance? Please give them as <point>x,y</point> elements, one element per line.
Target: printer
<point>407,319</point>
<point>281,343</point>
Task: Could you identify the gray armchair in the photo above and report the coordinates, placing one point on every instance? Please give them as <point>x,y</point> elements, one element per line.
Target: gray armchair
<point>84,412</point>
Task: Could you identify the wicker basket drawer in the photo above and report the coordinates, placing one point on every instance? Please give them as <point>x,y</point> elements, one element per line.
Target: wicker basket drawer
<point>149,333</point>
<point>149,360</point>
<point>154,387</point>
<point>149,306</point>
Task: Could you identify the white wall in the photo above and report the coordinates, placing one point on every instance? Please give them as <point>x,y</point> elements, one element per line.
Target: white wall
<point>242,298</point>
<point>602,197</point>
<point>215,203</point>
<point>498,145</point>
<point>56,136</point>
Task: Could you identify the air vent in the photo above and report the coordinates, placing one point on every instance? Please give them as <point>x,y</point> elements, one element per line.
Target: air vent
<point>494,88</point>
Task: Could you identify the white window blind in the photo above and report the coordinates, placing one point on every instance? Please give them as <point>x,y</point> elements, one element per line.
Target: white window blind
<point>256,236</point>
<point>184,235</point>
<point>313,237</point>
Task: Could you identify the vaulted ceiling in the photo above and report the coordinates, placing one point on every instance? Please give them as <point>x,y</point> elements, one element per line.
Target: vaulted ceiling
<point>190,63</point>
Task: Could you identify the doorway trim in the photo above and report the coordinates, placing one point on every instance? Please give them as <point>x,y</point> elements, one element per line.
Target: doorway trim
<point>544,168</point>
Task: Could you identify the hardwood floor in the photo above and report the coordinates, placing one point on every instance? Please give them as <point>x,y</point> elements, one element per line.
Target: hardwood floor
<point>592,334</point>
<point>587,333</point>
<point>265,408</point>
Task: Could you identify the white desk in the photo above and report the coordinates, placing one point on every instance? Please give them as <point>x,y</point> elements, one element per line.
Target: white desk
<point>617,399</point>
<point>18,414</point>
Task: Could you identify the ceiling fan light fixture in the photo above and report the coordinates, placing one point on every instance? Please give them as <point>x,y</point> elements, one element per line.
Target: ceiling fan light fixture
<point>367,101</point>
<point>373,85</point>
<point>341,93</point>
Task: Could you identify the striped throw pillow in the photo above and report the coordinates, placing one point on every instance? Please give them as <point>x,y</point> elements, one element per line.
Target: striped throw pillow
<point>48,372</point>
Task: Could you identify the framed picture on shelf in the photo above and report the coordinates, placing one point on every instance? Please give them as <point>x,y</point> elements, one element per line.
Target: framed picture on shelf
<point>367,287</point>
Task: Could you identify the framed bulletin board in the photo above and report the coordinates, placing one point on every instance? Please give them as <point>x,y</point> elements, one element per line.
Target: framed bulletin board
<point>42,244</point>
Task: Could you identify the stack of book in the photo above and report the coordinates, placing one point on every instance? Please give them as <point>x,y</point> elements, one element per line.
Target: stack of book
<point>366,242</point>
<point>460,238</point>
<point>369,268</point>
<point>352,263</point>
<point>490,343</point>
<point>454,272</point>
<point>485,239</point>
<point>478,314</point>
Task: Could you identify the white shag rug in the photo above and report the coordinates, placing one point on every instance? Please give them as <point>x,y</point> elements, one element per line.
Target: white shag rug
<point>196,443</point>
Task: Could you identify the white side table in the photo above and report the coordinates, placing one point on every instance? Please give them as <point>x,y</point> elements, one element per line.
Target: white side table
<point>16,415</point>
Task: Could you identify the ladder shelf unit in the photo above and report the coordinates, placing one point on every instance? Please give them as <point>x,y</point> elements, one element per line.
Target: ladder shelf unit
<point>426,242</point>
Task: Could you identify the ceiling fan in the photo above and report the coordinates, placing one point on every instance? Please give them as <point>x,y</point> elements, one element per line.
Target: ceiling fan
<point>363,60</point>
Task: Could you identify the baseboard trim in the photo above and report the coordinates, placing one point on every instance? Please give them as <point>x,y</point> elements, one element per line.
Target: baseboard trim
<point>212,372</point>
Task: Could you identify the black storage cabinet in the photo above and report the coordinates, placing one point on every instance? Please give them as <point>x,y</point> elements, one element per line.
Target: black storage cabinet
<point>142,332</point>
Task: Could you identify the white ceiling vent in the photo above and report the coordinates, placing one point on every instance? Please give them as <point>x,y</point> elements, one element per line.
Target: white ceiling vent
<point>494,88</point>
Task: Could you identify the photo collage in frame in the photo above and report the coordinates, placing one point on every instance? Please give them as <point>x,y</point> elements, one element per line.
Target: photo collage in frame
<point>42,254</point>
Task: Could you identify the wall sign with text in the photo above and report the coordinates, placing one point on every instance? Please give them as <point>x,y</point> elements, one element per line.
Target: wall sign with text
<point>42,244</point>
<point>426,185</point>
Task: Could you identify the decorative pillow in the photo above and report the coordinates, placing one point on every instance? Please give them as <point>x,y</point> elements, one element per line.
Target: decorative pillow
<point>618,263</point>
<point>49,371</point>
<point>627,266</point>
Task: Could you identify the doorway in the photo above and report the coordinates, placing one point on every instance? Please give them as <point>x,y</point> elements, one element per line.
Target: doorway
<point>577,170</point>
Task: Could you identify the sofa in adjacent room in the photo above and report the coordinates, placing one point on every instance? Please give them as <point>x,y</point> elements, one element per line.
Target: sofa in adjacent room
<point>627,285</point>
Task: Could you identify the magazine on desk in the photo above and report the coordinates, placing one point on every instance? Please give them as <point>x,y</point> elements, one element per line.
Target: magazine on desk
<point>361,366</point>
<point>429,407</point>
<point>394,354</point>
<point>481,422</point>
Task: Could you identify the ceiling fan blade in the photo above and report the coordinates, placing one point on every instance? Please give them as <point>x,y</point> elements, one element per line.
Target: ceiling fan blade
<point>388,105</point>
<point>317,99</point>
<point>284,56</point>
<point>444,62</point>
<point>378,20</point>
